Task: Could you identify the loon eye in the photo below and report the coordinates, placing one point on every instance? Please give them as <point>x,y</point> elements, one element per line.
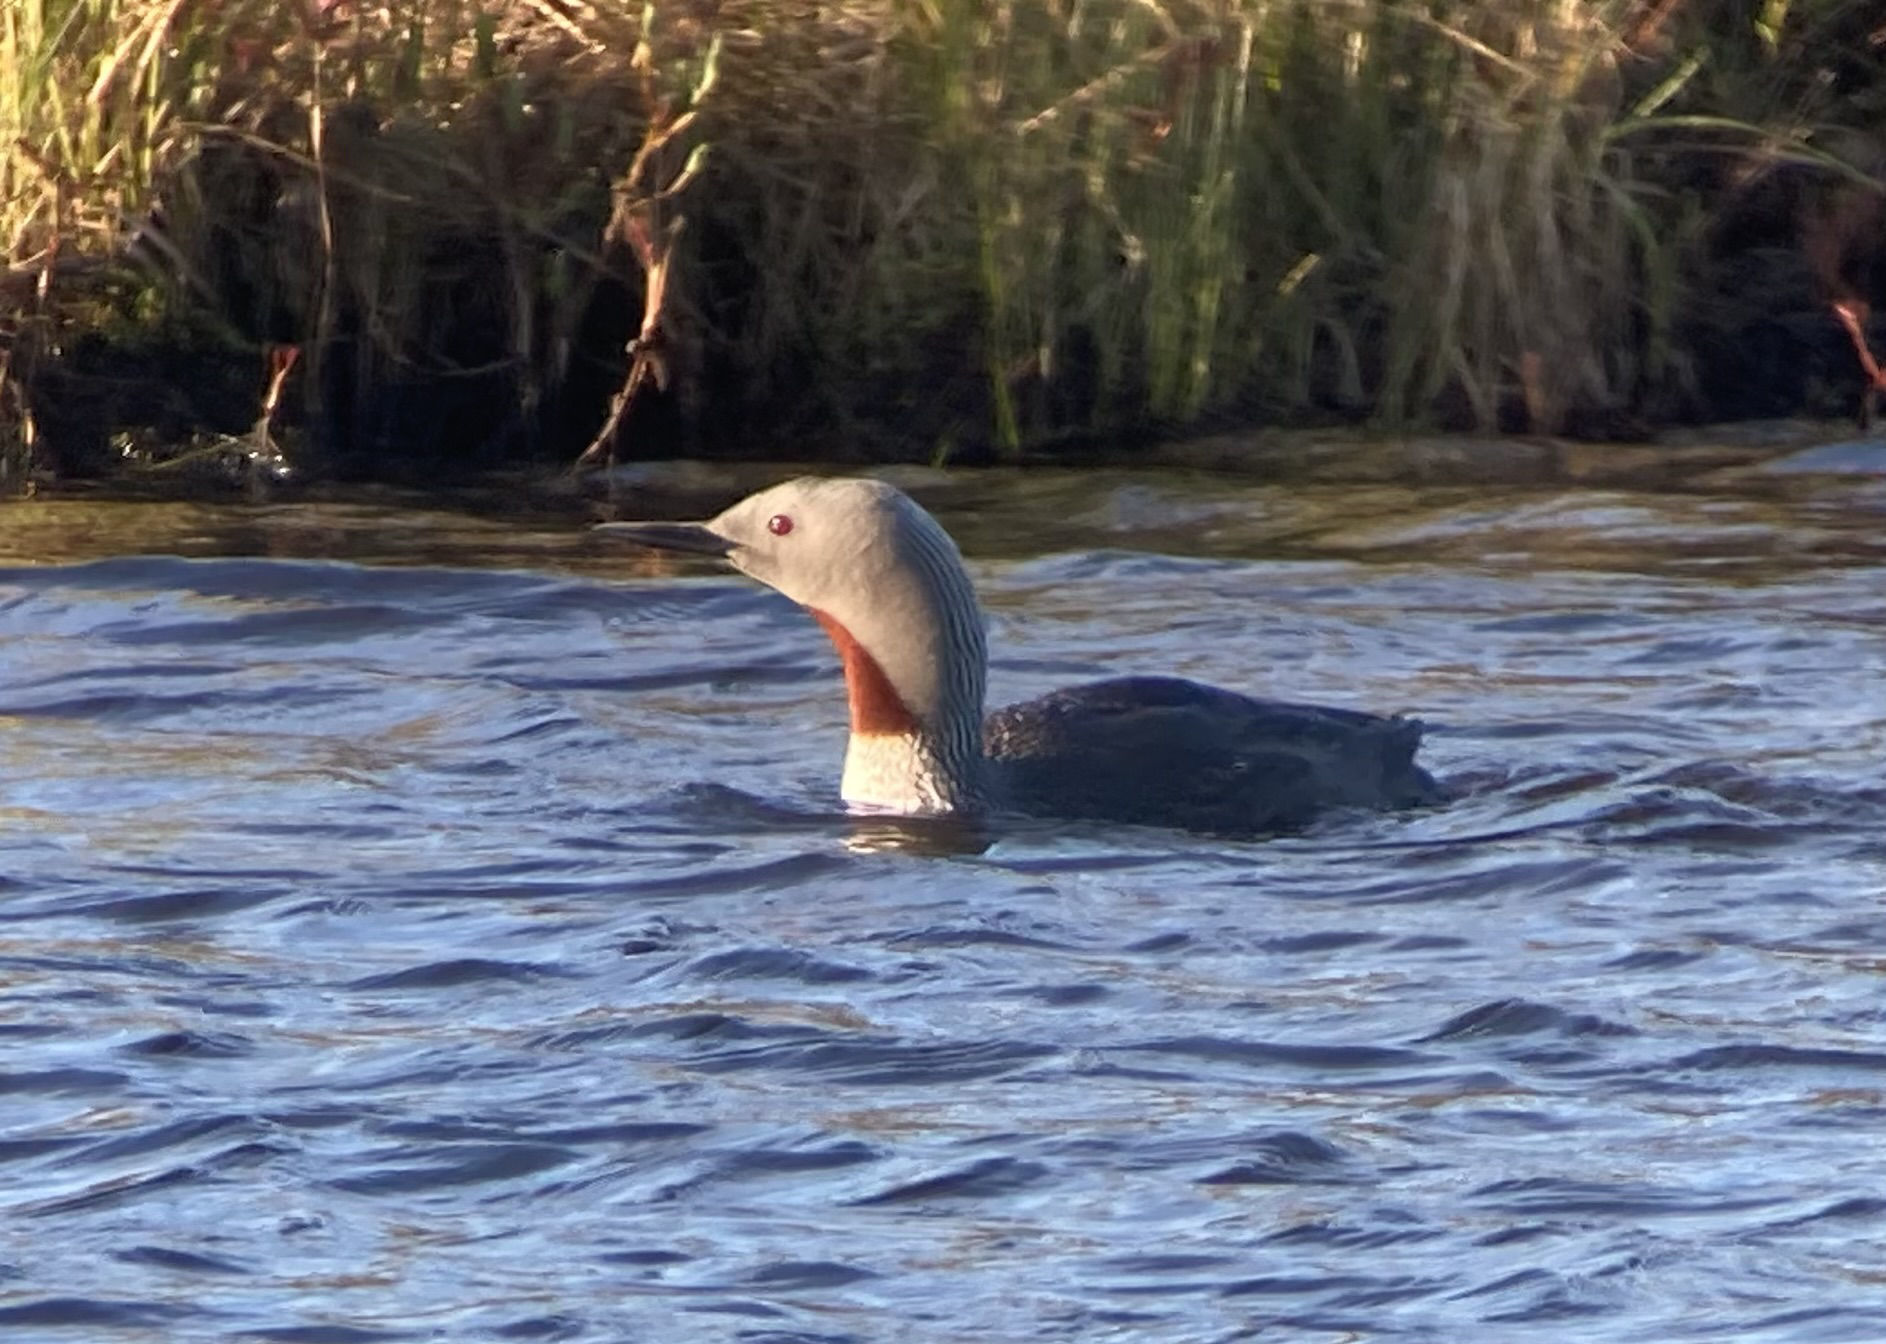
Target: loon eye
<point>779,524</point>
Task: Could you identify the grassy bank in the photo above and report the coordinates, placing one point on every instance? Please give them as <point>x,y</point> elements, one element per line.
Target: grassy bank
<point>444,234</point>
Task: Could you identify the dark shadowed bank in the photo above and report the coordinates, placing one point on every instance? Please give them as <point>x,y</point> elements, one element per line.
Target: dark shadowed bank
<point>437,237</point>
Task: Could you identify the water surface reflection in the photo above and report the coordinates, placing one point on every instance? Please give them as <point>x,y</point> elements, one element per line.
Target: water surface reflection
<point>467,944</point>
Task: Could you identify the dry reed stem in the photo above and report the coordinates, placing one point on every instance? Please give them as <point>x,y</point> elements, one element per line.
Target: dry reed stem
<point>643,219</point>
<point>1853,314</point>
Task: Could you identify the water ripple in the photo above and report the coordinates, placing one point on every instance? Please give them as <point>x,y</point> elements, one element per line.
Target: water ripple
<point>434,952</point>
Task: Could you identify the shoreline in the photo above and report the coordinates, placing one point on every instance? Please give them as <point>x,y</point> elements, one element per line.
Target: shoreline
<point>1690,457</point>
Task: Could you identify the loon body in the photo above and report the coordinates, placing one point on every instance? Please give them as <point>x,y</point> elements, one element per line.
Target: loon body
<point>888,585</point>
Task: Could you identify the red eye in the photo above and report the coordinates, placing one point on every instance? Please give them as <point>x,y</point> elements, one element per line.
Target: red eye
<point>779,524</point>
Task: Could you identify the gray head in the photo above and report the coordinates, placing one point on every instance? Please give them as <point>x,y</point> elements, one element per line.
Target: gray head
<point>880,574</point>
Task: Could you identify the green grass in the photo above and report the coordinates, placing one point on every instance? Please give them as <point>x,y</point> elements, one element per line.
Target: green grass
<point>927,225</point>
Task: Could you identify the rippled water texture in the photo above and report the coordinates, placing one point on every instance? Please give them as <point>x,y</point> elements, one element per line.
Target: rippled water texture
<point>398,947</point>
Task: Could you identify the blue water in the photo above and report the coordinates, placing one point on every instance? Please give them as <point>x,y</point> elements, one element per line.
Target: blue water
<point>396,947</point>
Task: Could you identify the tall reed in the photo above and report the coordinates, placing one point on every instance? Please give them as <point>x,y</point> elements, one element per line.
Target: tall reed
<point>919,225</point>
<point>1313,203</point>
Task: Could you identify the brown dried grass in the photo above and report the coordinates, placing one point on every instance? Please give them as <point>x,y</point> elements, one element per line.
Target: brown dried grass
<point>917,226</point>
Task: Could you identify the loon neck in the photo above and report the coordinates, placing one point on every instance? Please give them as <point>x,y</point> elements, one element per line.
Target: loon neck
<point>897,758</point>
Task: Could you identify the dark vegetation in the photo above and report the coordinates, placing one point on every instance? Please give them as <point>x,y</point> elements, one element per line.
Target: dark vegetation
<point>436,236</point>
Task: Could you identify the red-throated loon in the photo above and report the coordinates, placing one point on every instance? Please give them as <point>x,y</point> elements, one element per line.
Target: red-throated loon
<point>888,585</point>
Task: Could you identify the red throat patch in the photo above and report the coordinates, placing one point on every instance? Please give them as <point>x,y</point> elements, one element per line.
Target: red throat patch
<point>876,708</point>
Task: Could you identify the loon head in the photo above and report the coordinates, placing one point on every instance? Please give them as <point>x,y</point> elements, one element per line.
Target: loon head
<point>888,585</point>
